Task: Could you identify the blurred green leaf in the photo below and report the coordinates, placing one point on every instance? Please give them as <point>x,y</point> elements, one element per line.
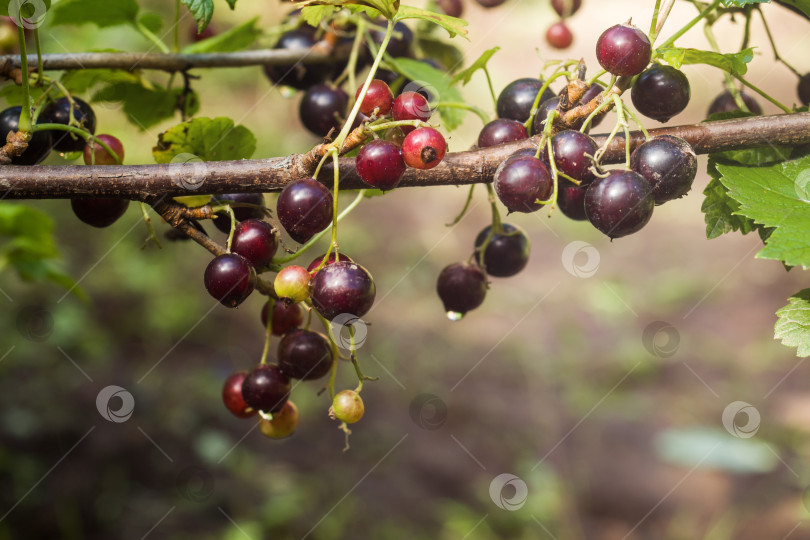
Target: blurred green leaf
<point>13,95</point>
<point>386,7</point>
<point>144,106</point>
<point>437,49</point>
<point>210,139</point>
<point>743,3</point>
<point>801,5</point>
<point>714,448</point>
<point>793,323</point>
<point>4,7</point>
<point>313,15</point>
<point>80,81</point>
<point>236,39</point>
<point>736,63</point>
<point>152,21</point>
<point>102,13</point>
<point>480,63</point>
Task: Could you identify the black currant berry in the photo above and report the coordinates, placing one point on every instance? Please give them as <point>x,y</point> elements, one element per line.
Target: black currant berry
<point>516,99</point>
<point>566,8</point>
<point>462,287</point>
<point>380,164</point>
<point>454,8</point>
<point>507,252</point>
<point>620,203</point>
<point>232,396</point>
<point>230,279</point>
<point>501,130</point>
<point>725,103</point>
<point>323,109</point>
<point>571,200</point>
<point>573,154</point>
<point>304,209</point>
<point>299,75</point>
<point>58,112</point>
<point>266,388</point>
<point>660,92</point>
<point>305,355</point>
<point>38,147</point>
<point>668,163</point>
<point>400,43</point>
<point>222,221</point>
<point>804,89</point>
<point>490,3</point>
<point>99,212</point>
<point>285,317</point>
<point>623,50</point>
<point>541,115</point>
<point>256,241</point>
<point>521,181</point>
<point>559,35</point>
<point>423,148</point>
<point>343,287</point>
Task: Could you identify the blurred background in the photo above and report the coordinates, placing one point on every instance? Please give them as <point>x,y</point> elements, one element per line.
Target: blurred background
<point>596,380</point>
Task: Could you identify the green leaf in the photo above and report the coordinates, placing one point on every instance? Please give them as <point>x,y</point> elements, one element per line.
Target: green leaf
<point>720,210</point>
<point>102,13</point>
<point>801,5</point>
<point>144,106</point>
<point>743,3</point>
<point>201,10</point>
<point>436,82</point>
<point>210,139</point>
<point>5,3</point>
<point>481,63</point>
<point>13,93</point>
<point>793,323</point>
<point>388,8</point>
<point>736,63</point>
<point>151,21</point>
<point>439,50</point>
<point>313,15</point>
<point>453,25</point>
<point>236,39</point>
<point>775,196</point>
<point>79,81</point>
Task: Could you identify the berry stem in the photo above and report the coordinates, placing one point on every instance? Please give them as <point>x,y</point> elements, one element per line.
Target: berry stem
<point>465,106</point>
<point>688,26</point>
<point>536,105</point>
<point>491,90</point>
<point>84,134</point>
<point>659,18</point>
<point>145,32</point>
<point>764,94</point>
<point>352,64</point>
<point>732,88</point>
<point>25,124</point>
<point>176,27</point>
<point>152,235</point>
<point>654,22</point>
<point>622,121</point>
<point>233,227</point>
<point>773,44</point>
<point>634,116</point>
<point>268,331</point>
<point>463,212</point>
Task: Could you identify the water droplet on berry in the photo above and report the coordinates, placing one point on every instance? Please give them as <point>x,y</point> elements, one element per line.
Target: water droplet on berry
<point>455,316</point>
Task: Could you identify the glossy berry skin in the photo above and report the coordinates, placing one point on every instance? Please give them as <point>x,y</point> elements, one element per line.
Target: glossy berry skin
<point>804,89</point>
<point>285,317</point>
<point>232,396</point>
<point>454,8</point>
<point>501,130</point>
<point>507,252</point>
<point>379,164</point>
<point>343,287</point>
<point>283,424</point>
<point>103,157</point>
<point>516,99</point>
<point>38,147</point>
<point>305,355</point>
<point>304,208</point>
<point>619,204</point>
<point>378,97</point>
<point>541,116</point>
<point>423,148</point>
<point>58,112</point>
<point>623,50</point>
<point>230,279</point>
<point>400,43</point>
<point>571,200</point>
<point>725,103</point>
<point>323,109</point>
<point>316,262</point>
<point>292,284</point>
<point>266,388</point>
<point>298,76</point>
<point>99,212</point>
<point>462,287</point>
<point>559,35</point>
<point>668,163</point>
<point>242,213</point>
<point>566,8</point>
<point>411,106</point>
<point>573,153</point>
<point>521,181</point>
<point>490,3</point>
<point>347,407</point>
<point>256,241</point>
<point>660,92</point>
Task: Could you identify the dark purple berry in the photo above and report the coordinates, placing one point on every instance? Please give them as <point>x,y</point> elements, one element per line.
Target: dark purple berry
<point>266,388</point>
<point>573,154</point>
<point>559,35</point>
<point>501,130</point>
<point>516,99</point>
<point>725,103</point>
<point>490,3</point>
<point>38,147</point>
<point>566,8</point>
<point>99,212</point>
<point>285,317</point>
<point>304,209</point>
<point>620,203</point>
<point>462,287</point>
<point>522,181</point>
<point>571,200</point>
<point>507,252</point>
<point>668,163</point>
<point>256,241</point>
<point>230,279</point>
<point>323,109</point>
<point>380,164</point>
<point>400,43</point>
<point>623,50</point>
<point>540,117</point>
<point>305,355</point>
<point>58,112</point>
<point>660,92</point>
<point>804,89</point>
<point>299,75</point>
<point>342,287</point>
